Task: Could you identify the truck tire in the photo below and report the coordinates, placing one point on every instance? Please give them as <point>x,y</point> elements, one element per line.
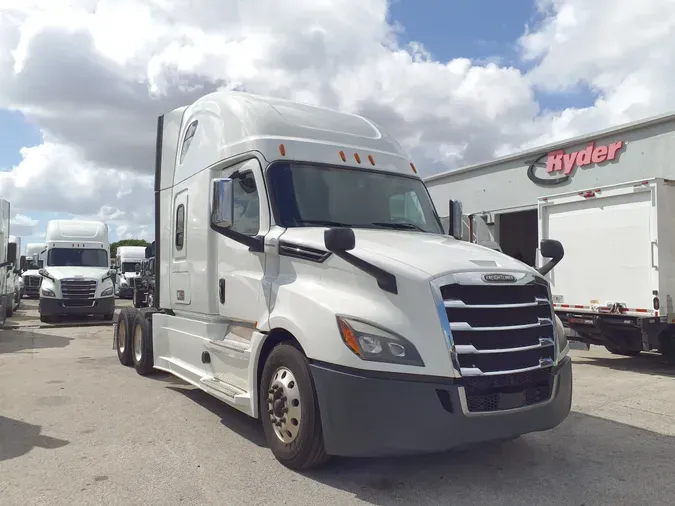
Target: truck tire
<point>10,307</point>
<point>289,410</point>
<point>142,345</point>
<point>626,352</point>
<point>123,337</point>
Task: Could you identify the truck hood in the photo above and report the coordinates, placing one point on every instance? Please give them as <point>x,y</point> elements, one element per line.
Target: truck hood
<point>129,275</point>
<point>77,272</point>
<point>31,272</point>
<point>433,254</point>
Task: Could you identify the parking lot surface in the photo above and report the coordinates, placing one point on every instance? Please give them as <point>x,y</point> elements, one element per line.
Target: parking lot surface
<point>78,428</point>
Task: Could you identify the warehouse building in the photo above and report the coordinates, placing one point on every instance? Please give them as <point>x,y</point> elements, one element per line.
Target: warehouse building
<point>505,192</point>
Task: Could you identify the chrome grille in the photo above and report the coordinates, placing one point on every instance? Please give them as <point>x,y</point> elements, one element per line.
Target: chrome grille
<point>32,281</point>
<point>504,340</point>
<point>78,289</point>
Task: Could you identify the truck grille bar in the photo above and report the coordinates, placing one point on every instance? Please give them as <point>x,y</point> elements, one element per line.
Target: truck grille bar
<point>78,289</point>
<point>502,339</point>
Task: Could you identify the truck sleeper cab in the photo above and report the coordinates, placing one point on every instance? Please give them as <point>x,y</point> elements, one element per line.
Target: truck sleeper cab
<point>303,277</point>
<point>76,277</point>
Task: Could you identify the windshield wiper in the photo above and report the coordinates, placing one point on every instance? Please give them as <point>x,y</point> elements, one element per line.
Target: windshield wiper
<point>325,223</point>
<point>398,226</point>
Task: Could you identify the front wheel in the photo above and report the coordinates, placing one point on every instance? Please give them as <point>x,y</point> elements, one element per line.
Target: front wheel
<point>290,411</point>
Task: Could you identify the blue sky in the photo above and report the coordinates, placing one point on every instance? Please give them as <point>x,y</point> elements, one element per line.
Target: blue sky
<point>476,29</point>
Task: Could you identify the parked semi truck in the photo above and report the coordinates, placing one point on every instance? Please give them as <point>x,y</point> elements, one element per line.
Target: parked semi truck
<point>616,286</point>
<point>76,277</point>
<point>14,271</point>
<point>303,277</point>
<point>144,287</point>
<point>34,262</point>
<point>125,260</point>
<point>7,259</point>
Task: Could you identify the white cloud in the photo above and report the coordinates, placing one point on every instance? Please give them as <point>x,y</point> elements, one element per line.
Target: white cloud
<point>94,75</point>
<point>23,221</point>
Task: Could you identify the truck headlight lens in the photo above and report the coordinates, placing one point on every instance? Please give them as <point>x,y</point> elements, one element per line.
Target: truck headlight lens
<point>562,344</point>
<point>375,344</point>
<point>46,292</point>
<point>107,292</point>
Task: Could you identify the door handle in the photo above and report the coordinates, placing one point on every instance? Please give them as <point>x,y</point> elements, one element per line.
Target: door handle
<point>221,290</point>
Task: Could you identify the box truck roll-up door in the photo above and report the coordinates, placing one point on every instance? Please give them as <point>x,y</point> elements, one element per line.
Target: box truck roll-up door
<point>608,239</point>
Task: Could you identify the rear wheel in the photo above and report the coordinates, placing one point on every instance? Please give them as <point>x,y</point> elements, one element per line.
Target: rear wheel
<point>290,411</point>
<point>123,337</point>
<point>142,345</point>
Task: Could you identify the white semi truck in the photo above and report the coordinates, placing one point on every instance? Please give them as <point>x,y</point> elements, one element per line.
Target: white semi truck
<point>76,276</point>
<point>126,259</point>
<point>16,282</point>
<point>34,262</point>
<point>303,277</point>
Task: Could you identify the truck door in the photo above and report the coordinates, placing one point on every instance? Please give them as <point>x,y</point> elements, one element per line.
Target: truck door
<point>240,271</point>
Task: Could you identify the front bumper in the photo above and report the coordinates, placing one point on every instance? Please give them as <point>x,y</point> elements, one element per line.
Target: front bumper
<point>50,306</point>
<point>369,416</point>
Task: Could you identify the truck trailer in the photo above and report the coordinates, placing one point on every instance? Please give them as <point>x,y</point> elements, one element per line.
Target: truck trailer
<point>7,259</point>
<point>126,259</point>
<point>76,277</point>
<point>267,210</point>
<point>608,196</point>
<point>34,262</point>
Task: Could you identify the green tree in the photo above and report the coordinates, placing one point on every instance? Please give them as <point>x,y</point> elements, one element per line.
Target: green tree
<point>126,242</point>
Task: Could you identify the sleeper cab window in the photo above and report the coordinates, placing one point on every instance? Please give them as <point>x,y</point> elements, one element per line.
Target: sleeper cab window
<point>180,227</point>
<point>187,140</point>
<point>246,205</point>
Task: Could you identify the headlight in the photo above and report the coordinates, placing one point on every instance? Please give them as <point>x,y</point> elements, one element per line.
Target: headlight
<point>561,339</point>
<point>107,292</point>
<point>46,292</point>
<point>377,345</point>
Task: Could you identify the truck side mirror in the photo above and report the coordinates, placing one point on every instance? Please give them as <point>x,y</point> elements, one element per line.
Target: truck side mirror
<point>22,263</point>
<point>147,252</point>
<point>137,268</point>
<point>339,239</point>
<point>222,203</point>
<point>550,249</point>
<point>11,252</point>
<point>455,227</point>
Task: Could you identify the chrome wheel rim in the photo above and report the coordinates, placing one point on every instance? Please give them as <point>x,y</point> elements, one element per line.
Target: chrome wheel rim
<point>284,405</point>
<point>121,336</point>
<point>138,339</point>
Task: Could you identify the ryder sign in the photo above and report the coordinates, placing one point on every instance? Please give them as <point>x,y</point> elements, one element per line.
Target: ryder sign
<point>562,164</point>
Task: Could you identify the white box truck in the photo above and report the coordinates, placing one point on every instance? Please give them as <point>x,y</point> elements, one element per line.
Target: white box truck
<point>34,262</point>
<point>303,277</point>
<point>126,259</point>
<point>76,276</point>
<point>617,283</point>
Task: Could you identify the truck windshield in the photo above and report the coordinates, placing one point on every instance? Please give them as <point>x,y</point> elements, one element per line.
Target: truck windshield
<point>308,195</point>
<point>129,267</point>
<point>75,257</point>
<point>30,265</point>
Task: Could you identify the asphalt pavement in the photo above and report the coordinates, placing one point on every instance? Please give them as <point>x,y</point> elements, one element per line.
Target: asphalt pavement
<point>78,428</point>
